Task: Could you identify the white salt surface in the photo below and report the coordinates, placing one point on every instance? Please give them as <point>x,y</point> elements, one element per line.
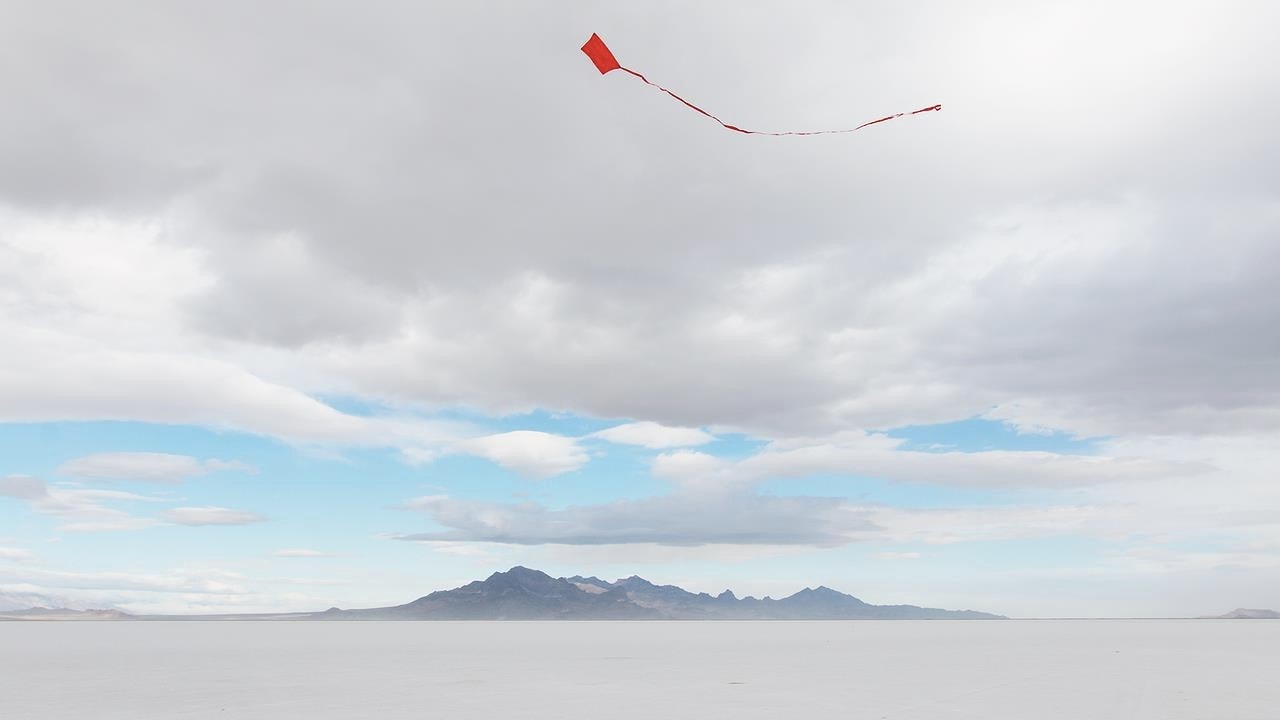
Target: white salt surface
<point>1166,669</point>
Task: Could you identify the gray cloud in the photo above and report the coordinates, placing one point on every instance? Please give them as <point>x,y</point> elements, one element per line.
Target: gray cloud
<point>692,520</point>
<point>391,212</point>
<point>23,487</point>
<point>747,519</point>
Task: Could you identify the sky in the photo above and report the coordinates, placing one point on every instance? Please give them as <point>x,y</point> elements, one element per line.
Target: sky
<point>312,304</point>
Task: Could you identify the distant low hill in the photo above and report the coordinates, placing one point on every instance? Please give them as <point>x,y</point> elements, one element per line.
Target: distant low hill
<point>524,594</point>
<point>1247,614</point>
<point>44,613</point>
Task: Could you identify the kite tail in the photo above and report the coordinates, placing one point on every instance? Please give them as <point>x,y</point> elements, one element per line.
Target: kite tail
<point>723,124</point>
<point>887,117</point>
<point>735,128</point>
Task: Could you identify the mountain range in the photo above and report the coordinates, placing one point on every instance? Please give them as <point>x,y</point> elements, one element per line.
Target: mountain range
<point>524,594</point>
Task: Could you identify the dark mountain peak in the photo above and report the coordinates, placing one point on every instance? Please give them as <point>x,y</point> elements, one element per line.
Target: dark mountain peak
<point>822,591</point>
<point>822,602</point>
<point>727,595</point>
<point>518,579</point>
<point>590,580</point>
<point>520,572</point>
<point>520,576</point>
<point>638,586</point>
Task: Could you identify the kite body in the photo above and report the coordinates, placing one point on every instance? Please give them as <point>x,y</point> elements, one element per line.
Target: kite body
<point>600,55</point>
<point>605,62</point>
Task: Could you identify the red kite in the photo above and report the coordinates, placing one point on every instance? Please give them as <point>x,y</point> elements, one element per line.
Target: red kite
<point>605,62</point>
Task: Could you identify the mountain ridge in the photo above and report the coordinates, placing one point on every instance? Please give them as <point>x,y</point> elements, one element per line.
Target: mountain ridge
<point>522,593</point>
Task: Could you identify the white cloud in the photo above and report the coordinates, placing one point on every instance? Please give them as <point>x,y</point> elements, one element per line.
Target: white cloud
<point>16,554</point>
<point>686,464</point>
<point>874,455</point>
<point>78,509</point>
<point>897,555</point>
<point>23,596</point>
<point>95,303</point>
<point>181,590</point>
<point>693,470</point>
<point>146,467</point>
<point>1156,488</point>
<point>419,456</point>
<point>983,524</point>
<point>118,523</point>
<point>316,582</point>
<point>72,380</point>
<point>624,558</point>
<point>654,436</point>
<point>463,549</point>
<point>302,553</point>
<point>178,580</point>
<point>529,452</point>
<point>209,515</point>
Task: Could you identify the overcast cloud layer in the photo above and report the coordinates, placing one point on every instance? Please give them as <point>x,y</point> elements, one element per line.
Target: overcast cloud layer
<point>449,207</point>
<point>227,214</point>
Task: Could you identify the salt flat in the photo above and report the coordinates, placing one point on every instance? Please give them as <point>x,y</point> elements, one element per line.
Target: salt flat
<point>1167,669</point>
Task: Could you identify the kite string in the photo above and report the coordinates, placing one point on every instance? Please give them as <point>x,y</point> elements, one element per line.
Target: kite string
<point>735,128</point>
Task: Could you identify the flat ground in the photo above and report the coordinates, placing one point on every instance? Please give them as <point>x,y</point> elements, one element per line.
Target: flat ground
<point>1017,669</point>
